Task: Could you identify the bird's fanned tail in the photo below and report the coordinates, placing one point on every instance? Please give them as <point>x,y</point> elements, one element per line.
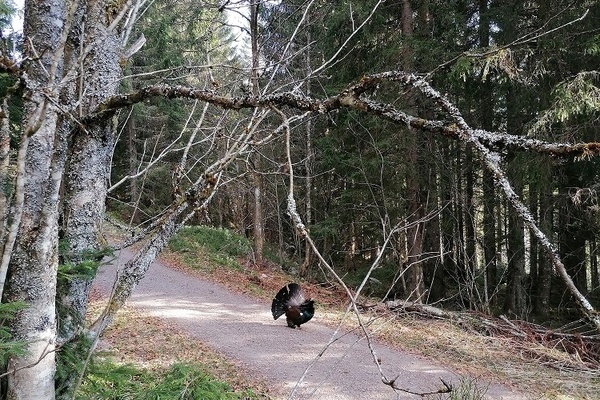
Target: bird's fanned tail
<point>290,300</point>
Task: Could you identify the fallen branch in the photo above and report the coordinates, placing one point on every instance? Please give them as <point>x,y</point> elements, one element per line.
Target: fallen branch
<point>577,352</point>
<point>351,98</point>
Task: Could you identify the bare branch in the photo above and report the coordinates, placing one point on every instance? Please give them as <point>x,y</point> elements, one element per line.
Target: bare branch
<point>491,161</point>
<point>352,98</point>
<point>527,38</point>
<point>295,216</point>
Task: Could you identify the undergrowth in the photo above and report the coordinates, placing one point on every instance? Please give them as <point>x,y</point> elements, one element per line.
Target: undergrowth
<point>466,389</point>
<point>221,247</point>
<point>449,342</point>
<point>183,381</point>
<point>8,346</point>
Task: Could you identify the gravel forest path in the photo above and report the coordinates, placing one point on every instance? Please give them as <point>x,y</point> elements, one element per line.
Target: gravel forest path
<point>243,329</point>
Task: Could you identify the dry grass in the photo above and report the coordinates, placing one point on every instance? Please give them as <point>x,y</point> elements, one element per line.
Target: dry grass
<point>151,343</point>
<point>541,371</point>
<point>529,367</point>
<point>502,359</point>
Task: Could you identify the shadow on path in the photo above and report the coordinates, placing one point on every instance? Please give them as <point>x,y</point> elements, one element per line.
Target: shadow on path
<point>244,330</point>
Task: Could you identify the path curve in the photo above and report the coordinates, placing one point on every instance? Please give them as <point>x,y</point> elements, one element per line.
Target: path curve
<point>243,329</point>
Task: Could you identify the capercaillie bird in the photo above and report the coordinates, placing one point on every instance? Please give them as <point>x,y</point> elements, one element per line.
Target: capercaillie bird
<point>291,301</point>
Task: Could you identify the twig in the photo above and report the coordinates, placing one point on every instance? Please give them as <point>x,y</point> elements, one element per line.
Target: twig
<point>303,231</point>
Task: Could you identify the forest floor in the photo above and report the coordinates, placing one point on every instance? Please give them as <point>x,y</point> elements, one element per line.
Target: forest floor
<point>221,318</point>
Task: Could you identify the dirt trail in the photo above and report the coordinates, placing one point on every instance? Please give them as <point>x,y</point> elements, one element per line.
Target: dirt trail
<point>244,330</point>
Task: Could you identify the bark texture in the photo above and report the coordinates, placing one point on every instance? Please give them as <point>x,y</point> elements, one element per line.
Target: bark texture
<point>34,258</point>
<point>133,271</point>
<point>86,181</point>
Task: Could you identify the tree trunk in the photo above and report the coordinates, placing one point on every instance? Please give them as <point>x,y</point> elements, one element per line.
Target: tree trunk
<point>489,236</point>
<point>572,243</point>
<point>543,284</point>
<point>416,207</point>
<point>258,229</point>
<point>462,276</point>
<point>4,163</point>
<point>447,224</point>
<point>34,259</point>
<point>34,265</point>
<point>308,170</point>
<point>534,267</point>
<point>134,187</point>
<point>594,270</point>
<point>515,301</point>
<point>469,221</point>
<point>89,166</point>
<point>86,188</point>
<point>257,179</point>
<point>489,194</point>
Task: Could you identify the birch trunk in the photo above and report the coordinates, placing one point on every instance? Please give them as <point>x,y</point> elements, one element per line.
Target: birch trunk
<point>66,57</point>
<point>34,264</point>
<point>34,257</point>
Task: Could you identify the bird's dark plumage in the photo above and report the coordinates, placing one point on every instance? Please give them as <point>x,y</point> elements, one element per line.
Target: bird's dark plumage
<point>290,300</point>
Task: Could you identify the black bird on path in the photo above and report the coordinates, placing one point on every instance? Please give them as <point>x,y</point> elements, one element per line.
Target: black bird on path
<point>290,300</point>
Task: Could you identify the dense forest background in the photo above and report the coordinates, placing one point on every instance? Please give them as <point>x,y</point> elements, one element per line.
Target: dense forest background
<point>524,68</point>
<point>440,152</point>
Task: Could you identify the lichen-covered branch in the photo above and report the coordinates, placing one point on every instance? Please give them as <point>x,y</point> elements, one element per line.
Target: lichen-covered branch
<point>352,97</point>
<point>486,143</point>
<point>492,162</point>
<point>134,270</point>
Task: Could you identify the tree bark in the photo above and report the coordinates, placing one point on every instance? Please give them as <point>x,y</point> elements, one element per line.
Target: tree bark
<point>257,179</point>
<point>308,169</point>
<point>486,118</point>
<point>86,181</point>
<point>134,187</point>
<point>4,175</point>
<point>469,222</point>
<point>34,265</point>
<point>34,258</point>
<point>515,301</point>
<point>543,284</point>
<point>416,205</point>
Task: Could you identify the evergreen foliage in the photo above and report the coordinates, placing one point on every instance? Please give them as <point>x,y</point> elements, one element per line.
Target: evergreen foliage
<point>505,72</point>
<point>524,68</point>
<point>107,380</point>
<point>8,346</point>
<point>183,39</point>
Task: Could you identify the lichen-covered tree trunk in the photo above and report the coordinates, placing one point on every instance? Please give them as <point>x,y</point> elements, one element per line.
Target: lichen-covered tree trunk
<point>133,271</point>
<point>70,62</point>
<point>34,258</point>
<point>4,163</point>
<point>89,163</point>
<point>33,267</point>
